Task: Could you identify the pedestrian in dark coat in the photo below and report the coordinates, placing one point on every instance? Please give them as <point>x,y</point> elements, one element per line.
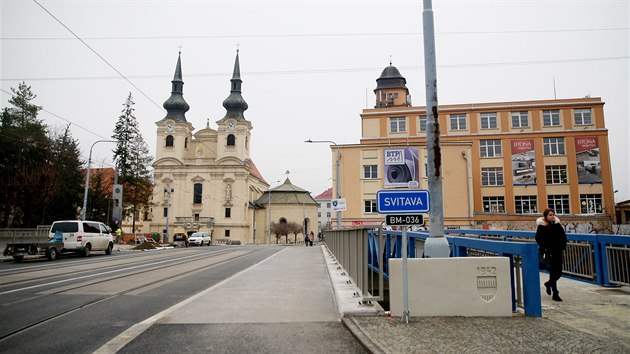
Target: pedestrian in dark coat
<point>552,241</point>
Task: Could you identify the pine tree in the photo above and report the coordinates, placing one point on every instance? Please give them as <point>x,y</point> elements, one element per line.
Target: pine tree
<point>39,174</point>
<point>133,161</point>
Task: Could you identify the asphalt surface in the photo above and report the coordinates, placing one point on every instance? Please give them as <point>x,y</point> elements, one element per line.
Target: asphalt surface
<point>299,301</point>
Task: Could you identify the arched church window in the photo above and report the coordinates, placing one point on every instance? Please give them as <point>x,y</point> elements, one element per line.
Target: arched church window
<point>283,220</point>
<point>169,140</point>
<point>186,143</point>
<point>231,140</point>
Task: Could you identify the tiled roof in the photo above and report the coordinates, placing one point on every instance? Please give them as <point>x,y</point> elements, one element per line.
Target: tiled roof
<point>326,195</point>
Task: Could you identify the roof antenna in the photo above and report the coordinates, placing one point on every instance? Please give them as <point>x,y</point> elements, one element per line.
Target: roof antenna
<point>180,49</point>
<point>554,88</point>
<point>237,46</point>
<point>207,122</point>
<point>390,60</point>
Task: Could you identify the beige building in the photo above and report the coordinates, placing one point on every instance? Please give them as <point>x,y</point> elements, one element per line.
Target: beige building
<point>206,180</point>
<point>503,163</point>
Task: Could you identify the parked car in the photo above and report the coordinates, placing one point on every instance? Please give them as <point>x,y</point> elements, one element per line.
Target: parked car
<point>82,237</point>
<point>180,239</point>
<point>199,239</point>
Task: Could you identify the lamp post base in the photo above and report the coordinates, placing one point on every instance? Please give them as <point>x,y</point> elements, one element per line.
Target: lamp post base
<point>436,247</point>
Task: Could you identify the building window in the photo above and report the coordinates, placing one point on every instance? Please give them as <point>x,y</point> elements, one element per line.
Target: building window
<point>169,140</point>
<point>559,203</point>
<point>198,190</point>
<point>228,212</point>
<point>370,172</point>
<point>553,146</point>
<point>422,124</point>
<point>165,212</point>
<point>582,116</point>
<point>490,148</point>
<point>196,216</point>
<point>525,204</point>
<point>370,206</point>
<point>328,205</point>
<point>493,204</point>
<point>591,204</point>
<point>231,140</point>
<point>556,174</point>
<point>186,143</point>
<point>227,233</point>
<point>520,119</point>
<point>319,214</point>
<point>328,214</point>
<point>397,125</point>
<point>551,118</point>
<point>489,120</point>
<point>458,121</point>
<point>492,176</point>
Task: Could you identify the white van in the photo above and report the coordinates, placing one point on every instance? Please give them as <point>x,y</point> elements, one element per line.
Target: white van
<point>199,239</point>
<point>81,237</point>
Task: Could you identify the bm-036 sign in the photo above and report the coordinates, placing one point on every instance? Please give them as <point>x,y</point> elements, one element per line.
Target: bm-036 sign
<point>402,201</point>
<point>404,219</point>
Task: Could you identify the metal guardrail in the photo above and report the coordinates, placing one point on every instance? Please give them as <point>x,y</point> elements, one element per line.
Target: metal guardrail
<point>598,258</point>
<point>601,259</point>
<point>350,248</point>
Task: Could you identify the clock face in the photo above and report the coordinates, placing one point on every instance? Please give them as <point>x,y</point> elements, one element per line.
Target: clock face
<point>169,127</point>
<point>231,126</point>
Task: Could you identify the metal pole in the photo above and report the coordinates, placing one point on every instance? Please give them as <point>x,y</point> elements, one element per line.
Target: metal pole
<point>168,209</point>
<point>436,245</point>
<point>269,191</point>
<point>87,177</point>
<point>338,185</point>
<point>338,174</point>
<point>405,284</point>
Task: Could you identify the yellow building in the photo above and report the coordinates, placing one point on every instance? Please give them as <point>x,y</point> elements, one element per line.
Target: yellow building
<point>503,163</point>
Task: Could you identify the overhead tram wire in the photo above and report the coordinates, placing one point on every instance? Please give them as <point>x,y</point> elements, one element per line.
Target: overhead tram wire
<point>60,117</point>
<point>286,35</point>
<point>335,70</point>
<point>98,55</point>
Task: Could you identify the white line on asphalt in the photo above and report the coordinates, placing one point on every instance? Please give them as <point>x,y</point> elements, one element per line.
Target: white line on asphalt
<point>92,275</point>
<point>118,342</point>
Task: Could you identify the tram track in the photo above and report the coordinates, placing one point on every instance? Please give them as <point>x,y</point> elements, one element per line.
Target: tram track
<point>236,254</point>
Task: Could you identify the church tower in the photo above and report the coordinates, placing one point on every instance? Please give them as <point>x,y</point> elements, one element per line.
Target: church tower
<point>234,131</point>
<point>391,89</point>
<point>174,131</point>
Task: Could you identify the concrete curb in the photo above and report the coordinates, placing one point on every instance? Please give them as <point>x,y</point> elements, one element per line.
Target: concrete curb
<point>361,336</point>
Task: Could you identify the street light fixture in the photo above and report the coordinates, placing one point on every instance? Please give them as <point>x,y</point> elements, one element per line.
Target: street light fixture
<point>338,174</point>
<point>87,176</point>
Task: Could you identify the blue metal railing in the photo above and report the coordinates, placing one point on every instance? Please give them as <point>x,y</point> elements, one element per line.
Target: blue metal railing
<point>588,257</point>
<point>526,257</point>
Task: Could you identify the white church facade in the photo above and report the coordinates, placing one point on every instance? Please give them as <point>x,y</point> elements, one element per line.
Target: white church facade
<point>206,180</point>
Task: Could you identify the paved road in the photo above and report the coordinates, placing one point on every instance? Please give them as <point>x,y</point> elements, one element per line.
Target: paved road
<point>285,304</point>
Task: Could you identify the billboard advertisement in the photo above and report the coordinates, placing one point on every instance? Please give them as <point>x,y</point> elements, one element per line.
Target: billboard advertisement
<point>523,162</point>
<point>588,160</point>
<point>401,167</point>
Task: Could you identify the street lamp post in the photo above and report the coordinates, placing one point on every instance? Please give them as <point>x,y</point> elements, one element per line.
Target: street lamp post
<point>87,176</point>
<point>338,174</point>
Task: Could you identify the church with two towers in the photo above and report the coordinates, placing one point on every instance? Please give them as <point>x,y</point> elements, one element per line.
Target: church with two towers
<point>206,181</point>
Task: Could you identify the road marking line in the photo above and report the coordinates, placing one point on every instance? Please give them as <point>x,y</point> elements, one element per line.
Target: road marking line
<point>118,342</point>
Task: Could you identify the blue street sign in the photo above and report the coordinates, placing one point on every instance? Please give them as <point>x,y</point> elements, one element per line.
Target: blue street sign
<point>402,201</point>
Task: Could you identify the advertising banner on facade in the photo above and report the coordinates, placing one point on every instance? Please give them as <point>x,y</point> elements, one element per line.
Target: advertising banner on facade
<point>523,162</point>
<point>401,167</point>
<point>588,160</point>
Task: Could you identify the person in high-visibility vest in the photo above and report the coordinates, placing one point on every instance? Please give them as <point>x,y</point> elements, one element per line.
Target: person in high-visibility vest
<point>118,235</point>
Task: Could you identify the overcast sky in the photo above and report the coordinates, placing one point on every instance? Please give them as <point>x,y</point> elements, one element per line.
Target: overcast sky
<point>308,67</point>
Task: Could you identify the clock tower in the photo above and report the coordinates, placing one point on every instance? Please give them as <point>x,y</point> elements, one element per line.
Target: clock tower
<point>174,131</point>
<point>234,131</point>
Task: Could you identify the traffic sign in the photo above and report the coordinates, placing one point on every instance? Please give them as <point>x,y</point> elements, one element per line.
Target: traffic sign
<point>339,204</point>
<point>404,219</point>
<point>402,201</point>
